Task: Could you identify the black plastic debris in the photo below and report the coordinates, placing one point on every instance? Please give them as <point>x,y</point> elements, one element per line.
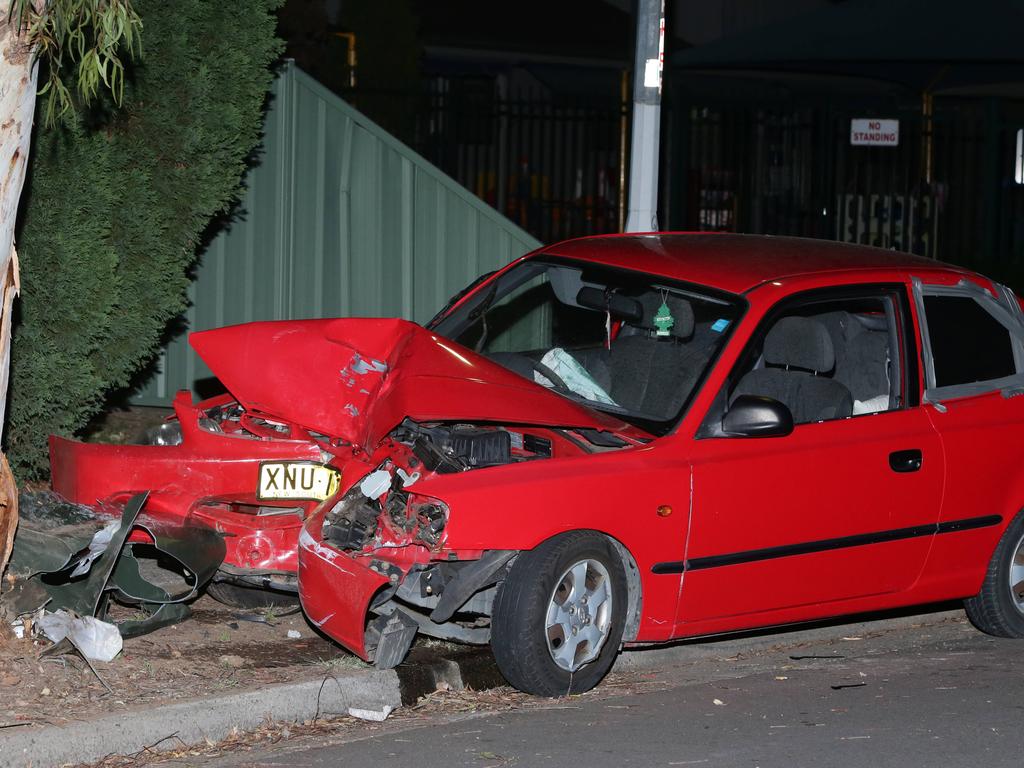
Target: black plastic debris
<point>72,558</point>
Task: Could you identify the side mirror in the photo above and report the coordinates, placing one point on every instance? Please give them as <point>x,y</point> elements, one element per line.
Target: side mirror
<point>757,416</point>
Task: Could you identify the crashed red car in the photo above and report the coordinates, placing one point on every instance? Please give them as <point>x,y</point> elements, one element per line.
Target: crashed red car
<point>634,439</point>
<point>614,441</point>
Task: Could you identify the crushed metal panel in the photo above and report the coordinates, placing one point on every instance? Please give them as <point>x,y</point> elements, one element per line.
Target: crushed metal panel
<point>83,596</point>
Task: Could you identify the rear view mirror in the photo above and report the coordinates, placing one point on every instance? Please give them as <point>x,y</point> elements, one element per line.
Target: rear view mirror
<point>621,307</point>
<point>757,416</point>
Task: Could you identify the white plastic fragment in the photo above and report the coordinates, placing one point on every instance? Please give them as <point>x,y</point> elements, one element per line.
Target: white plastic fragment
<point>408,479</point>
<point>375,484</point>
<point>98,545</point>
<point>294,634</point>
<point>18,628</point>
<point>96,640</point>
<point>373,715</point>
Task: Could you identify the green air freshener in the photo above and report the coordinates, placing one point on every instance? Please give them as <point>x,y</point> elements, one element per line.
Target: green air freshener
<point>663,321</point>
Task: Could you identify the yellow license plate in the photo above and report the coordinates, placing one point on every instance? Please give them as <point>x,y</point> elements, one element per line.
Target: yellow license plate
<point>296,480</point>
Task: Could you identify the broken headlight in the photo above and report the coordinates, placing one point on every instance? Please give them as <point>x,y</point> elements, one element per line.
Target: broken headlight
<point>421,517</point>
<point>431,515</point>
<point>352,521</point>
<point>165,433</point>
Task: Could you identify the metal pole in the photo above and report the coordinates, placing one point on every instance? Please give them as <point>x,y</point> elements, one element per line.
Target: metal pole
<point>623,129</point>
<point>926,130</point>
<point>644,155</point>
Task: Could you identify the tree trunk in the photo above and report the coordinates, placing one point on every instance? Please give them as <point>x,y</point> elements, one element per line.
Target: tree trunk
<point>17,105</point>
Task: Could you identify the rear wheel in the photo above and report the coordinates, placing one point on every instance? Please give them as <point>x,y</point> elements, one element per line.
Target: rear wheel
<point>998,609</point>
<point>558,617</point>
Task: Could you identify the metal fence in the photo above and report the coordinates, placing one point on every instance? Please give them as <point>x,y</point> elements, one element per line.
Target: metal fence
<point>342,218</point>
<point>755,162</point>
<point>945,191</point>
<point>552,164</point>
<point>338,219</point>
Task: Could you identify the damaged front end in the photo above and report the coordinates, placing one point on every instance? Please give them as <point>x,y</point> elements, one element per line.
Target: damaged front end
<point>375,566</point>
<point>366,408</point>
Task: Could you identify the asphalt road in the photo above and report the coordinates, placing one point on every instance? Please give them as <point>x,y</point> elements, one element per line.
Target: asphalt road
<point>937,696</point>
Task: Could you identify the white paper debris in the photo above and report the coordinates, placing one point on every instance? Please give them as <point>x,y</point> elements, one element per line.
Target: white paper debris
<point>97,640</point>
<point>294,634</point>
<point>373,715</point>
<point>19,629</point>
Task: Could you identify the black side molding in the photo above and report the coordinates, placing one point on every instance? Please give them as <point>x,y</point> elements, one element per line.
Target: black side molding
<point>824,545</point>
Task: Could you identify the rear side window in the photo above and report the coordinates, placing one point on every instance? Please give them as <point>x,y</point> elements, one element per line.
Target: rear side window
<point>968,344</point>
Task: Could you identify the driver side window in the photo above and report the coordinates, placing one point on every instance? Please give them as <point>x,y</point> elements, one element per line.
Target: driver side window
<point>827,358</point>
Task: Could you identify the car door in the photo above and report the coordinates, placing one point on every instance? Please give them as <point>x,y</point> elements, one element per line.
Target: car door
<point>845,505</point>
<point>974,379</point>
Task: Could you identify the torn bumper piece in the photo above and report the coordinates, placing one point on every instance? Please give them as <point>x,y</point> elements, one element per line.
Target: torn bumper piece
<point>75,567</point>
<point>335,591</point>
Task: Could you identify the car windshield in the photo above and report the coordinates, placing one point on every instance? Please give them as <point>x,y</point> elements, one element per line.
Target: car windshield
<point>621,341</point>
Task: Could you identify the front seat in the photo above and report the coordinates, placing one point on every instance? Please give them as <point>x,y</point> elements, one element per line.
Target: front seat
<point>654,374</point>
<point>798,352</point>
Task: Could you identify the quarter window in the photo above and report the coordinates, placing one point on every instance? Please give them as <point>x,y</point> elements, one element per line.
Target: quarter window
<point>968,344</point>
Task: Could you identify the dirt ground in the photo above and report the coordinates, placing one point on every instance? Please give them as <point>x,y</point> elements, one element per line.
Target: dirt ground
<point>218,650</point>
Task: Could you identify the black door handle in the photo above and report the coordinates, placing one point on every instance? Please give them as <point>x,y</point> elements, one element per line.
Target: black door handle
<point>906,461</point>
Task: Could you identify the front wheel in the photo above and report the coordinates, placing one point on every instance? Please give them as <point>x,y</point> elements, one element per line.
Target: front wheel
<point>558,617</point>
<point>998,609</point>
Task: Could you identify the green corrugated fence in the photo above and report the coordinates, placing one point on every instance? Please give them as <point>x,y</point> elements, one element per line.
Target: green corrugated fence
<point>338,219</point>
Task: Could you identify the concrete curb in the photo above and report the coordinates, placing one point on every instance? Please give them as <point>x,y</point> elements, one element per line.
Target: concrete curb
<point>195,721</point>
<point>214,718</point>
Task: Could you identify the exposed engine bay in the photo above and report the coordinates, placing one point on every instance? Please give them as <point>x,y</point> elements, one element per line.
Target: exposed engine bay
<point>416,450</point>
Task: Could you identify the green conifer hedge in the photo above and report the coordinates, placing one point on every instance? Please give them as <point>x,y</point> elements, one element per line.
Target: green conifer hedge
<point>114,212</point>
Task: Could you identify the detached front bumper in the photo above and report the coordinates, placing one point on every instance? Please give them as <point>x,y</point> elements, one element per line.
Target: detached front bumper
<point>335,591</point>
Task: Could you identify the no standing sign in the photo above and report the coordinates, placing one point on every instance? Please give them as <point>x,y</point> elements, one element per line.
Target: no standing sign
<point>870,132</point>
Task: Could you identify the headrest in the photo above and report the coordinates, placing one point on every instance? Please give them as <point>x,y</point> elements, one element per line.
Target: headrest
<point>801,342</point>
<point>680,309</point>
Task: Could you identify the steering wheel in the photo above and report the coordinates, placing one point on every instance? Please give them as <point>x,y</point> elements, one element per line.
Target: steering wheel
<point>550,375</point>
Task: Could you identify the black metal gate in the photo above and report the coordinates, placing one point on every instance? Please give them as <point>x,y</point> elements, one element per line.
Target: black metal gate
<point>947,190</point>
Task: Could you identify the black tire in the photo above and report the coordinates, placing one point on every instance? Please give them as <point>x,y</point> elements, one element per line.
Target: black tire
<point>251,597</point>
<point>994,610</point>
<point>519,638</point>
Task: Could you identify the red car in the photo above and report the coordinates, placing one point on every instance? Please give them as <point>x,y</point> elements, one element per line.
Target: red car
<point>633,439</point>
<point>614,440</point>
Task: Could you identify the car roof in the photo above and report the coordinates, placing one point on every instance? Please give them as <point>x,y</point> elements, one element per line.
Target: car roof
<point>737,263</point>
